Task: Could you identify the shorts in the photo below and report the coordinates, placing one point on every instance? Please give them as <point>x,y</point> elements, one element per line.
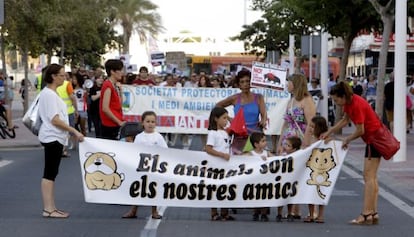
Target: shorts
<point>71,120</point>
<point>83,114</point>
<point>390,115</point>
<point>374,152</point>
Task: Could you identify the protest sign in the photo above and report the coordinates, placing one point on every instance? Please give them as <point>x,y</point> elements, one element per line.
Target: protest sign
<point>186,110</point>
<point>268,76</point>
<point>116,172</point>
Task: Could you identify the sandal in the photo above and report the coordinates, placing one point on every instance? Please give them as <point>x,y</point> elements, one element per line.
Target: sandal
<point>156,216</point>
<point>55,214</point>
<point>129,215</point>
<point>228,218</point>
<point>319,220</point>
<point>216,217</point>
<point>279,218</point>
<point>264,218</point>
<point>365,220</point>
<point>375,218</point>
<point>65,154</point>
<point>309,219</point>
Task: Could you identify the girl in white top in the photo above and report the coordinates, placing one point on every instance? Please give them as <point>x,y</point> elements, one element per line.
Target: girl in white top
<point>259,143</point>
<point>317,126</point>
<point>218,144</point>
<point>149,137</point>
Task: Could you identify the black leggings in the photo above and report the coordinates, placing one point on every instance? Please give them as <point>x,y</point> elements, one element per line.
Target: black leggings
<point>53,155</point>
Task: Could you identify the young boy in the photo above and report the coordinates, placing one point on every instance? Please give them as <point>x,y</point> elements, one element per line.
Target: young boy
<point>259,143</point>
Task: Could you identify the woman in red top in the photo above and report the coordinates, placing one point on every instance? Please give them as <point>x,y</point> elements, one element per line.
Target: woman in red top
<point>110,107</point>
<point>366,121</point>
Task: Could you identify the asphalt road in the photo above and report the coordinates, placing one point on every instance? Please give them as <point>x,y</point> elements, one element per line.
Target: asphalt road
<point>20,209</point>
<point>21,165</point>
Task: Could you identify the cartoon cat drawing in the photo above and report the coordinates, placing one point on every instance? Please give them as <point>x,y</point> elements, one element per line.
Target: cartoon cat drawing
<point>320,162</point>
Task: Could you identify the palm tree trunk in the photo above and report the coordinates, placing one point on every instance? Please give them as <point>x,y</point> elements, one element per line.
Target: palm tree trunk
<point>382,63</point>
<point>342,72</point>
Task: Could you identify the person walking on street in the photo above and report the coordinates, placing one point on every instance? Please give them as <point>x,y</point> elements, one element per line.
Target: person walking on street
<point>366,121</point>
<point>53,136</point>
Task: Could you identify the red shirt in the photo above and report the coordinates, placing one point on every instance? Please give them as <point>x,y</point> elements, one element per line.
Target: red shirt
<point>360,112</point>
<point>140,82</point>
<point>114,105</point>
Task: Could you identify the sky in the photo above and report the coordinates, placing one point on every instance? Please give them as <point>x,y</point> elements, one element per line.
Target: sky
<point>205,17</point>
<point>216,18</point>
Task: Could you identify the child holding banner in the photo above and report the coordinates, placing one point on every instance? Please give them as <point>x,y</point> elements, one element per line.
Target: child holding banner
<point>317,126</point>
<point>149,137</point>
<point>218,144</point>
<point>290,145</point>
<point>259,143</point>
<point>299,112</point>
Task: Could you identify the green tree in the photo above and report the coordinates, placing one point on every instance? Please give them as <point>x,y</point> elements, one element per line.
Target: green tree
<point>298,17</point>
<point>24,31</point>
<point>139,16</point>
<point>80,31</point>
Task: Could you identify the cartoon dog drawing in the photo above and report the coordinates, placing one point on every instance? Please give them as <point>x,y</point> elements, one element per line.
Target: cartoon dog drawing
<point>320,162</point>
<point>101,171</point>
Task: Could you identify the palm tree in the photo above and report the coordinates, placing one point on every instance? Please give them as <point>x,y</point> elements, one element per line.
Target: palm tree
<point>387,13</point>
<point>139,16</point>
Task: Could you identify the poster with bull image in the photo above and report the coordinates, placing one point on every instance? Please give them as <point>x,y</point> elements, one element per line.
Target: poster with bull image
<point>268,76</point>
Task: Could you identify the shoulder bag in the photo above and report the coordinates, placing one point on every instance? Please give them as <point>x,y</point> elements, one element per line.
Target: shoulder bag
<point>383,141</point>
<point>31,118</point>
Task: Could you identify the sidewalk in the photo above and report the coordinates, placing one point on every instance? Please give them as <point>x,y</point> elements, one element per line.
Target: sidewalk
<point>396,177</point>
<point>24,138</point>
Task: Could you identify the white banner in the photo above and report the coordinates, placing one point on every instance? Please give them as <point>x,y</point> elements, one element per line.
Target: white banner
<point>116,172</point>
<point>186,110</point>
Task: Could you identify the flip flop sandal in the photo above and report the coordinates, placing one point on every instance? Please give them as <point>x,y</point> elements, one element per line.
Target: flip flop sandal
<point>54,214</point>
<point>157,217</point>
<point>228,218</point>
<point>320,221</point>
<point>308,219</point>
<point>129,216</point>
<point>215,217</point>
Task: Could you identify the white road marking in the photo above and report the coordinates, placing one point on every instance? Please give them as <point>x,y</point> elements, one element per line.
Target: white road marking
<point>394,200</point>
<point>150,229</point>
<point>5,162</point>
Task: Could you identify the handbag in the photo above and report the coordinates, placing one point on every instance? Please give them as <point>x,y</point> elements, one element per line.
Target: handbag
<point>31,118</point>
<point>383,141</point>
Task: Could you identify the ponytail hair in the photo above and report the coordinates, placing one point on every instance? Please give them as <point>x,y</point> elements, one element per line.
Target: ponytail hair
<point>342,90</point>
